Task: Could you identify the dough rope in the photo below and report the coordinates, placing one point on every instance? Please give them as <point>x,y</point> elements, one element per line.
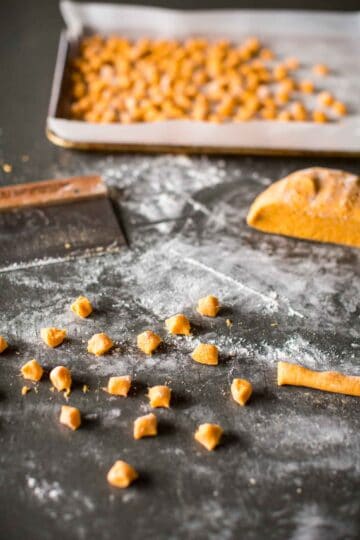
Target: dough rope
<point>329,381</point>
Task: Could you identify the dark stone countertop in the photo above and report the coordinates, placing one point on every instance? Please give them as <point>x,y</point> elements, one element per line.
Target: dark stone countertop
<point>289,465</point>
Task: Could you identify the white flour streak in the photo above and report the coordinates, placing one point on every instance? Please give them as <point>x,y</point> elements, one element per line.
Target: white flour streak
<point>270,302</point>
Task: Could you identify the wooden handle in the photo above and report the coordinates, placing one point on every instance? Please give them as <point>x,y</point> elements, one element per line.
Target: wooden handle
<point>329,381</point>
<point>51,192</point>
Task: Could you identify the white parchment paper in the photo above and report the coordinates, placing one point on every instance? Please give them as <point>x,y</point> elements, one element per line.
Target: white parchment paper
<point>313,37</point>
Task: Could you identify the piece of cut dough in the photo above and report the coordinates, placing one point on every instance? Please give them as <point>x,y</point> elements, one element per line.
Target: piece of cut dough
<point>208,435</point>
<point>70,417</point>
<point>178,324</point>
<point>316,204</point>
<point>208,306</point>
<point>159,396</point>
<point>145,426</point>
<point>53,337</point>
<point>60,378</point>
<point>206,353</point>
<point>82,307</point>
<point>329,381</point>
<point>99,344</point>
<point>32,370</point>
<point>119,386</point>
<point>121,474</point>
<point>241,390</point>
<point>3,344</point>
<point>148,341</point>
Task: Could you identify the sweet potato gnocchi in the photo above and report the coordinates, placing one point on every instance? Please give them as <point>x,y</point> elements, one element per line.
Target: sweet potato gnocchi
<point>53,337</point>
<point>121,474</point>
<point>209,435</point>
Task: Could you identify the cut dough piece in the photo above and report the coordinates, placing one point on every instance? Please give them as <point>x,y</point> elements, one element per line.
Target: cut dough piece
<point>121,474</point>
<point>145,426</point>
<point>208,306</point>
<point>60,378</point>
<point>178,324</point>
<point>70,417</point>
<point>148,341</point>
<point>53,337</point>
<point>99,344</point>
<point>206,353</point>
<point>241,390</point>
<point>329,381</point>
<point>81,307</point>
<point>159,396</point>
<point>3,344</point>
<point>119,386</point>
<point>32,370</point>
<point>316,204</point>
<point>208,435</point>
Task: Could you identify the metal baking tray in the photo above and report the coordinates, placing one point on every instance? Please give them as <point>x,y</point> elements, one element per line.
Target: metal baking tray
<point>314,37</point>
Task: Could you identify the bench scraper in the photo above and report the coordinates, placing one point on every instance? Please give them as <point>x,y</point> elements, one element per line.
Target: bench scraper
<point>57,219</point>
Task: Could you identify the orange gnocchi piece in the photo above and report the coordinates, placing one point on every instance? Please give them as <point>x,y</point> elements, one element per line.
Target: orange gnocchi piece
<point>148,342</point>
<point>241,390</point>
<point>70,417</point>
<point>53,337</point>
<point>209,435</point>
<point>121,474</point>
<point>99,344</point>
<point>32,370</point>
<point>206,353</point>
<point>159,396</point>
<point>82,307</point>
<point>178,324</point>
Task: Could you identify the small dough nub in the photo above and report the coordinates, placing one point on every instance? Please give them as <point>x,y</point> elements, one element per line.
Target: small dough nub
<point>53,337</point>
<point>208,435</point>
<point>99,344</point>
<point>148,341</point>
<point>145,426</point>
<point>241,390</point>
<point>60,378</point>
<point>178,324</point>
<point>70,417</point>
<point>82,307</point>
<point>3,344</point>
<point>32,370</point>
<point>208,306</point>
<point>121,474</point>
<point>206,353</point>
<point>119,386</point>
<point>159,396</point>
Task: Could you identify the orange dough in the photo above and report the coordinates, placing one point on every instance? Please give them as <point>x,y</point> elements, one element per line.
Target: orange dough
<point>70,417</point>
<point>178,324</point>
<point>208,435</point>
<point>53,337</point>
<point>3,344</point>
<point>32,370</point>
<point>329,381</point>
<point>119,386</point>
<point>148,341</point>
<point>208,306</point>
<point>145,426</point>
<point>206,353</point>
<point>99,344</point>
<point>241,391</point>
<point>121,474</point>
<point>81,307</point>
<point>317,204</point>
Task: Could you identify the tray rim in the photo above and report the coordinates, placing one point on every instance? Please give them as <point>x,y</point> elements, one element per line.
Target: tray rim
<point>175,149</point>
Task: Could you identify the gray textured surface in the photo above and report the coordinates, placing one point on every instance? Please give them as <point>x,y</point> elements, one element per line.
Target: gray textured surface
<point>289,466</point>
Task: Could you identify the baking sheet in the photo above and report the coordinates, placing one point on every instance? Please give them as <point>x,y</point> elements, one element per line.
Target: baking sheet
<point>314,37</point>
